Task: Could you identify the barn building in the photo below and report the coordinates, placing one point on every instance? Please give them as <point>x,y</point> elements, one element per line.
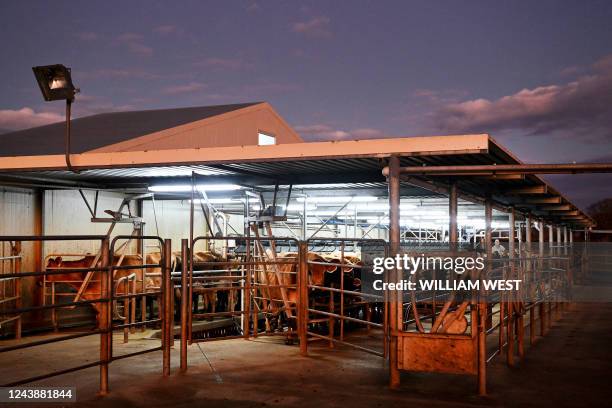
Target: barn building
<point>215,223</point>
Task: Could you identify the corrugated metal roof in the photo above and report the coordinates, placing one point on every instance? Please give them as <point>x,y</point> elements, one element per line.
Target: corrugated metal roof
<point>350,165</point>
<point>93,132</point>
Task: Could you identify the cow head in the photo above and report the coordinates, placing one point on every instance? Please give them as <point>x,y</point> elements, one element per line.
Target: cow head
<point>316,271</point>
<point>54,262</point>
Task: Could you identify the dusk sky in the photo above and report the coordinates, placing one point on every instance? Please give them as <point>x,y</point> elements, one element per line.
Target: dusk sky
<point>536,75</point>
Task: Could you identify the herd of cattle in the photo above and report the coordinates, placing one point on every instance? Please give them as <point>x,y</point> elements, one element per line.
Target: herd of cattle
<point>274,282</point>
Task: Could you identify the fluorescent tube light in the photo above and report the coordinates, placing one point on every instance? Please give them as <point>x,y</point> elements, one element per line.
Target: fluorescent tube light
<point>180,188</point>
<point>338,199</point>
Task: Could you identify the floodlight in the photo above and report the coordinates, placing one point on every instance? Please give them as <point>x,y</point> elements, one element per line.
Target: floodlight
<point>55,82</point>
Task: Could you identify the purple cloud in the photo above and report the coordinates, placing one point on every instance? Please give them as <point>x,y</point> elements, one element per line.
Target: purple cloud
<point>223,63</point>
<point>315,27</point>
<point>87,36</point>
<point>166,29</point>
<point>326,132</point>
<point>135,44</point>
<point>182,89</point>
<point>123,73</point>
<point>265,88</point>
<point>582,106</point>
<point>253,7</point>
<point>25,118</point>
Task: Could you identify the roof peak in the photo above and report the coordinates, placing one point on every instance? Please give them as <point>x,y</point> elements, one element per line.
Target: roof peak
<point>103,129</point>
<point>226,105</point>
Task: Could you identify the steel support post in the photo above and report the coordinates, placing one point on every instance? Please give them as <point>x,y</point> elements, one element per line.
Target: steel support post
<point>482,306</point>
<point>184,303</point>
<point>528,231</point>
<point>302,299</point>
<point>452,219</point>
<point>395,300</point>
<point>551,237</point>
<point>16,252</point>
<point>527,276</point>
<point>105,323</point>
<point>167,322</point>
<point>541,239</point>
<point>305,219</point>
<point>510,303</point>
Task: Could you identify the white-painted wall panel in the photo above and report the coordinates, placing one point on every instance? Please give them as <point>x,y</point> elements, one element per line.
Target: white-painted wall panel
<point>172,222</point>
<point>65,213</point>
<point>18,217</point>
<point>17,207</point>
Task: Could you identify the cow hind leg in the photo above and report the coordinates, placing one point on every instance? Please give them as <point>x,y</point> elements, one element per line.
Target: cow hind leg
<point>213,301</point>
<point>232,300</point>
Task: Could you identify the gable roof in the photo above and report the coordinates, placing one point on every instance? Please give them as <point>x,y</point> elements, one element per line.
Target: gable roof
<point>96,131</point>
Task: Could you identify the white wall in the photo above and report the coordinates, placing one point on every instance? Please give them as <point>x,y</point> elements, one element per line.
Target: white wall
<point>172,222</point>
<point>65,213</point>
<point>17,217</point>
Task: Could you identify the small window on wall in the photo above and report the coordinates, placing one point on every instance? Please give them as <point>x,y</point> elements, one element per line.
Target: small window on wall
<point>265,139</point>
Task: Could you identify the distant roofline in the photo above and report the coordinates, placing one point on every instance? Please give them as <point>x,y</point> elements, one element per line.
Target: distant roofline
<point>94,132</point>
<point>120,112</point>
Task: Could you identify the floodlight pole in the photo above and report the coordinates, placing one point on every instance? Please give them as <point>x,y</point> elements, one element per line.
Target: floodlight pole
<point>67,136</point>
<point>55,84</point>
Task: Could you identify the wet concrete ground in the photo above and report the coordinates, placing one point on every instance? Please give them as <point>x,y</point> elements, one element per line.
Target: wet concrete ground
<point>570,367</point>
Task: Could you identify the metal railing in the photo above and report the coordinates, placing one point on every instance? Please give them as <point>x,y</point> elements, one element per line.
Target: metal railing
<point>340,299</point>
<point>10,288</point>
<point>131,293</point>
<point>464,320</point>
<point>103,300</point>
<point>257,279</point>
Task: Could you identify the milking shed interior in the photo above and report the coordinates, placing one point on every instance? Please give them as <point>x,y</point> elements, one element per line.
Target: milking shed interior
<point>237,182</point>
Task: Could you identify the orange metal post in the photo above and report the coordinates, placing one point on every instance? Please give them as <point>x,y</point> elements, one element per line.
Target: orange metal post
<point>105,322</point>
<point>510,300</point>
<point>395,315</point>
<point>184,304</point>
<point>18,301</point>
<point>303,298</point>
<point>167,293</point>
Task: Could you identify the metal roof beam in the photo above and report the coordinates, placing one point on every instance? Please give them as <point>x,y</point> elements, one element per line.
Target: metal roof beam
<point>504,177</point>
<point>568,213</point>
<point>542,200</point>
<point>483,170</point>
<point>528,190</point>
<point>563,207</point>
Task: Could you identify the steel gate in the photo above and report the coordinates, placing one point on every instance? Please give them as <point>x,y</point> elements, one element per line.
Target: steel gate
<point>101,273</point>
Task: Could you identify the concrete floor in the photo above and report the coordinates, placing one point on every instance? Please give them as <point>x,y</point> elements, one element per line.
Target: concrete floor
<point>571,366</point>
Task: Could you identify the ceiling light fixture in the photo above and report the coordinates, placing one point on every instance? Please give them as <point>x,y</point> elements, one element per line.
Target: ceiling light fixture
<point>182,188</point>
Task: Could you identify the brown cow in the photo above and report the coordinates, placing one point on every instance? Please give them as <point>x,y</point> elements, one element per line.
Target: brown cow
<point>351,273</point>
<point>121,277</point>
<point>211,298</point>
<point>288,276</point>
<point>153,276</point>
